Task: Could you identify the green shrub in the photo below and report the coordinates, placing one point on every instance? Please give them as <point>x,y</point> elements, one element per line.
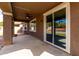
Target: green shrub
<point>1,23</point>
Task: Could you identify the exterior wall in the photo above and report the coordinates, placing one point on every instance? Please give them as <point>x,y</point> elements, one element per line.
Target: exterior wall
<point>74,25</point>
<point>7,29</point>
<point>74,10</point>
<point>39,27</point>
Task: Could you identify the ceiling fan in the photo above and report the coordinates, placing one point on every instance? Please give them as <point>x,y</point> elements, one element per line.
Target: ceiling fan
<point>29,16</point>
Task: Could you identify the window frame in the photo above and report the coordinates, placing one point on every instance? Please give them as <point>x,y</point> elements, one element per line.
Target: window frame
<point>30,23</point>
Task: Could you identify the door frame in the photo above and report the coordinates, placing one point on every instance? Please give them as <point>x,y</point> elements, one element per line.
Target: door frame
<point>59,7</point>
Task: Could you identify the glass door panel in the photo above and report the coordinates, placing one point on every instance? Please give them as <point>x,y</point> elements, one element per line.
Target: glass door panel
<point>49,30</point>
<point>60,28</point>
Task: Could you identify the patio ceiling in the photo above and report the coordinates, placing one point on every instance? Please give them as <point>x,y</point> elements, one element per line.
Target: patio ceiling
<point>23,10</point>
<point>5,6</point>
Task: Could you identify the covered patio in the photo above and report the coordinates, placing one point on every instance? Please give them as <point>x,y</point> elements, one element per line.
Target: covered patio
<point>26,45</point>
<point>52,28</point>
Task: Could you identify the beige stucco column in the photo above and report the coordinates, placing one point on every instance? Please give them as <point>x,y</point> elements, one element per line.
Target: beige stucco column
<point>7,28</point>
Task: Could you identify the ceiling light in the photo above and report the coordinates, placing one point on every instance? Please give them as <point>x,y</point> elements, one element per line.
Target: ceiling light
<point>27,17</point>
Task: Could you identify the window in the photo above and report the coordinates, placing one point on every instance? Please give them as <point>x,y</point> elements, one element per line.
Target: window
<point>33,25</point>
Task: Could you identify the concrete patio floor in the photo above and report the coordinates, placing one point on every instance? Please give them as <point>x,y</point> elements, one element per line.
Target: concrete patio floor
<point>26,45</point>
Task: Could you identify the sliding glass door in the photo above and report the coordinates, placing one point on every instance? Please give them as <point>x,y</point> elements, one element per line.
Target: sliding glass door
<point>56,28</point>
<point>49,30</point>
<point>60,28</point>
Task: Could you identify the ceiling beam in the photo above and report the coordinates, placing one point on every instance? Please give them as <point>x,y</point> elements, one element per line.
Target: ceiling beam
<point>20,20</point>
<point>10,6</point>
<point>12,10</point>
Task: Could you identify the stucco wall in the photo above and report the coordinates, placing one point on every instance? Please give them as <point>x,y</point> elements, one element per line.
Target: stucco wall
<point>39,28</point>
<point>74,10</point>
<point>74,25</point>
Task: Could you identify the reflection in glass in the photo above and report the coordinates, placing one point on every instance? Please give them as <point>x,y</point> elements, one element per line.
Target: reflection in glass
<point>60,28</point>
<point>49,28</point>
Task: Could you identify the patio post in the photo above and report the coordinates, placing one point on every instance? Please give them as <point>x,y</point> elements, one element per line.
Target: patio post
<point>28,27</point>
<point>7,28</point>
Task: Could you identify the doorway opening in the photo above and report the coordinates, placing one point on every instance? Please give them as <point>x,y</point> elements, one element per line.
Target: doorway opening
<point>20,28</point>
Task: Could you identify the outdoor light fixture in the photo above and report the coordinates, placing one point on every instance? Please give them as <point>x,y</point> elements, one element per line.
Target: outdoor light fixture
<point>27,17</point>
